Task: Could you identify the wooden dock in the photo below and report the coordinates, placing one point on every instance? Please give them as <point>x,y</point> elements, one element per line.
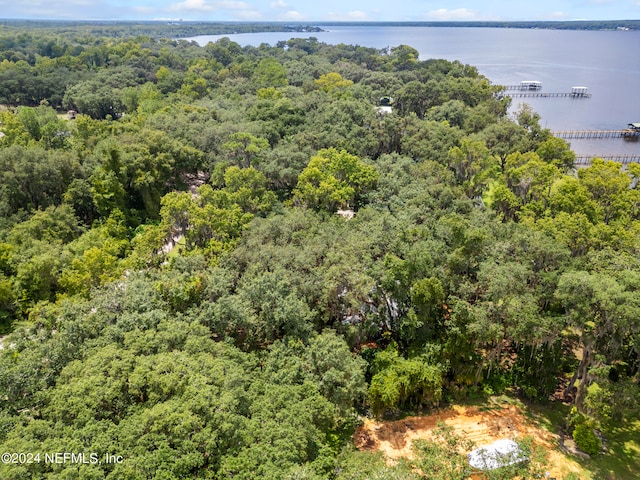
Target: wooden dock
<point>511,88</point>
<point>525,85</point>
<point>624,159</point>
<point>549,95</point>
<point>568,134</point>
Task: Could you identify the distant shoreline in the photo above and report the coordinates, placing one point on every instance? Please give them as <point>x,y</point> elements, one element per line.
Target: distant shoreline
<point>181,28</point>
<point>546,25</point>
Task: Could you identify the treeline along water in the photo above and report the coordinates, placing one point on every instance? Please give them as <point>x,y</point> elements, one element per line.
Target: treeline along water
<point>608,62</point>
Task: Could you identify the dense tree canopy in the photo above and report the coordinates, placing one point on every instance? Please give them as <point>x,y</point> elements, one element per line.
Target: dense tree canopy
<point>227,254</point>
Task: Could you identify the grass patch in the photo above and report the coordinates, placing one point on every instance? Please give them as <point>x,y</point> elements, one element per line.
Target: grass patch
<point>549,415</point>
<point>620,462</point>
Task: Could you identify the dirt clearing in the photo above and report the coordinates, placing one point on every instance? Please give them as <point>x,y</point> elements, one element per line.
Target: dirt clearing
<point>482,425</point>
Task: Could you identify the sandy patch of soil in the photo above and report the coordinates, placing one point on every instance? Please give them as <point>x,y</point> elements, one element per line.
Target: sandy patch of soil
<point>478,424</point>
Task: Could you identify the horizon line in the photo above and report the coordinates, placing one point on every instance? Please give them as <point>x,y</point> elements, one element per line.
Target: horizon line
<point>307,22</point>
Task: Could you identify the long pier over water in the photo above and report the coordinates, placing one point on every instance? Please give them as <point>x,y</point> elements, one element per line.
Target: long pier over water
<point>548,94</point>
<point>532,88</point>
<point>627,133</point>
<point>624,159</point>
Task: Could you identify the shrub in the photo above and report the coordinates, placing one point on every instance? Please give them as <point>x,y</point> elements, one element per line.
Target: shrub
<point>586,439</point>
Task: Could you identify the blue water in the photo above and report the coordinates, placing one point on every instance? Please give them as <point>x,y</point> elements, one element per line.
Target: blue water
<point>607,62</point>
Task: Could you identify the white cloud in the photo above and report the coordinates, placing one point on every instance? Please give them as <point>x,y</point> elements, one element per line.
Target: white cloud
<point>61,9</point>
<point>231,5</point>
<point>279,4</point>
<point>293,15</point>
<point>64,7</point>
<point>556,15</point>
<point>247,15</point>
<point>55,3</point>
<point>358,15</point>
<point>192,5</point>
<point>456,14</point>
<point>355,15</point>
<point>141,9</point>
<point>241,10</point>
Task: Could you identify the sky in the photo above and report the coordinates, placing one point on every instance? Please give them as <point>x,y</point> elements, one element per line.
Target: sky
<point>321,10</point>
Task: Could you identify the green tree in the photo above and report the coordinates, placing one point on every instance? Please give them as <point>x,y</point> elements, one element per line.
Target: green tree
<point>96,267</point>
<point>503,200</point>
<point>100,97</point>
<point>32,178</point>
<point>7,303</point>
<point>569,195</point>
<point>55,225</point>
<point>473,165</point>
<point>338,374</point>
<point>400,383</point>
<point>504,138</point>
<point>270,73</point>
<point>245,149</point>
<point>248,189</point>
<point>419,97</point>
<point>334,179</point>
<point>334,84</point>
<point>430,140</point>
<point>531,181</point>
<point>557,151</point>
<point>608,186</point>
<point>404,57</point>
<point>602,313</point>
<point>37,278</point>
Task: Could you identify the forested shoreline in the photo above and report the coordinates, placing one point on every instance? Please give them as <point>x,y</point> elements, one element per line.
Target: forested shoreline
<point>153,29</point>
<point>215,260</point>
<point>190,28</point>
<point>546,25</point>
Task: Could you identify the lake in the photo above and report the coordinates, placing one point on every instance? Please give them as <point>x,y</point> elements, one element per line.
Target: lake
<point>607,62</point>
